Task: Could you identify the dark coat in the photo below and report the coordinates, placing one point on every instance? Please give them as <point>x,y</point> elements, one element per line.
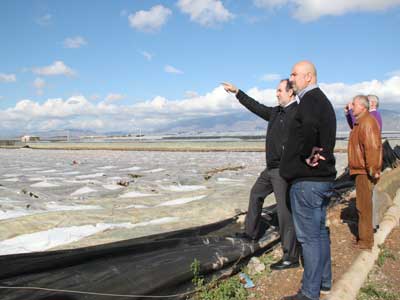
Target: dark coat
<point>278,127</point>
<point>313,125</point>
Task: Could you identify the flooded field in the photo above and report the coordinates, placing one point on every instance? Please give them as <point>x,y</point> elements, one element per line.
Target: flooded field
<point>53,199</point>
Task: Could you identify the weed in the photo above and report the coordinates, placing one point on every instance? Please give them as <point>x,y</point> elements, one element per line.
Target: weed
<point>229,289</point>
<point>383,255</point>
<point>197,280</point>
<point>371,292</point>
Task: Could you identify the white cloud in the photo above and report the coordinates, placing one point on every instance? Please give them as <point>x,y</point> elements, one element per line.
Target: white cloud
<point>147,55</point>
<point>57,68</point>
<point>205,12</point>
<point>114,97</point>
<point>270,77</point>
<point>78,112</point>
<point>150,20</point>
<point>74,42</point>
<point>171,69</point>
<point>310,10</point>
<point>51,124</point>
<point>44,20</point>
<point>7,77</point>
<point>387,90</point>
<point>39,84</point>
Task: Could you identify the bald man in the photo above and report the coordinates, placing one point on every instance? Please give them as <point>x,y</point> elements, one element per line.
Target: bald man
<point>308,164</point>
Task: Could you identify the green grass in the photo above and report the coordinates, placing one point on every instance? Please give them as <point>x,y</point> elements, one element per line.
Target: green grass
<point>384,254</point>
<point>372,292</point>
<point>229,289</point>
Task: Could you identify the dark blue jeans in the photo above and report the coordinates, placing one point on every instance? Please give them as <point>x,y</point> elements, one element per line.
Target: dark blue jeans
<point>309,201</point>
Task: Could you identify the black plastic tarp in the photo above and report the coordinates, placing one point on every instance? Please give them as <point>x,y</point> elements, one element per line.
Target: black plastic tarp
<point>153,265</point>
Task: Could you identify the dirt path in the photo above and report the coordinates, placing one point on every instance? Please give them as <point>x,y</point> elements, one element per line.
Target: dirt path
<point>276,284</point>
<point>384,279</point>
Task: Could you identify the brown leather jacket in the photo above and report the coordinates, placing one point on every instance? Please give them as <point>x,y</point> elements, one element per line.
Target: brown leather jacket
<point>365,146</point>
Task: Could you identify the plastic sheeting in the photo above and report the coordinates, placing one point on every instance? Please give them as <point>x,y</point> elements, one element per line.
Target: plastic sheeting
<point>154,265</point>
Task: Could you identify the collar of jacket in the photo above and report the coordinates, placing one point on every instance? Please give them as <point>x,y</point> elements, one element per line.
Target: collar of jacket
<point>361,117</point>
<point>287,107</point>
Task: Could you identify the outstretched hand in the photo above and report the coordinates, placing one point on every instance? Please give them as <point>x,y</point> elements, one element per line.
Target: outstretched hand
<point>230,88</point>
<point>315,157</point>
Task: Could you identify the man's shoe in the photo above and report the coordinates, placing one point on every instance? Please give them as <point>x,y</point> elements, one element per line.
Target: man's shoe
<point>245,236</point>
<point>298,296</point>
<point>362,246</point>
<point>284,264</point>
<point>325,291</point>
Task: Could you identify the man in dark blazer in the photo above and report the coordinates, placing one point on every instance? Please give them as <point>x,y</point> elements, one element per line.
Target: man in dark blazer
<point>279,118</point>
<point>308,164</point>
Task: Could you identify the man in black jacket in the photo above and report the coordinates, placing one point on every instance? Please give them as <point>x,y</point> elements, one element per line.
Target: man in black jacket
<point>308,164</point>
<point>279,118</point>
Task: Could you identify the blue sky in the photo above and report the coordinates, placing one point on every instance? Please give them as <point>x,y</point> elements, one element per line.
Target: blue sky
<point>103,64</point>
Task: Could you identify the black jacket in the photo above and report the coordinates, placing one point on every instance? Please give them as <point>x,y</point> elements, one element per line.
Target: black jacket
<point>313,125</point>
<point>278,127</point>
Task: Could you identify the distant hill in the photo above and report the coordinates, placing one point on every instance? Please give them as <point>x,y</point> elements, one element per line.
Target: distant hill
<point>241,121</point>
<point>72,133</point>
<point>246,121</point>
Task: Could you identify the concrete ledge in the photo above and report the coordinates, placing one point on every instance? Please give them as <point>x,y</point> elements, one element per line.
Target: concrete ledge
<point>384,193</point>
<point>347,287</point>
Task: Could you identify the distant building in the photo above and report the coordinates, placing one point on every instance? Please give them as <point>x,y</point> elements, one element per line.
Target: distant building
<point>7,143</point>
<point>29,138</point>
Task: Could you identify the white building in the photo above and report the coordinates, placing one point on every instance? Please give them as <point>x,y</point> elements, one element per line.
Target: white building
<point>29,138</point>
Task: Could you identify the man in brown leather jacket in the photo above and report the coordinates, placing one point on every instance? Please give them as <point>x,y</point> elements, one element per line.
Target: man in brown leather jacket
<point>365,162</point>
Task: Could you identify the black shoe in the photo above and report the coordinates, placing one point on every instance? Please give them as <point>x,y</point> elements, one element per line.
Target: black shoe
<point>245,236</point>
<point>284,264</point>
<point>325,290</point>
<point>298,296</point>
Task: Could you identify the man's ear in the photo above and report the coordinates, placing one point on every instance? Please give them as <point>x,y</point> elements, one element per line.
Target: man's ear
<point>308,76</point>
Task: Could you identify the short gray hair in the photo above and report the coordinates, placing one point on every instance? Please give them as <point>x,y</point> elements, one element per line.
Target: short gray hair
<point>363,99</point>
<point>374,98</point>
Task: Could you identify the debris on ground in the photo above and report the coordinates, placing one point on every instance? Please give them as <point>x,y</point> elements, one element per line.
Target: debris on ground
<point>255,266</point>
<point>214,171</point>
<point>246,281</point>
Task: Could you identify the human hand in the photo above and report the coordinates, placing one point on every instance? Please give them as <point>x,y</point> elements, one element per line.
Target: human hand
<point>350,105</point>
<point>230,88</point>
<point>315,157</point>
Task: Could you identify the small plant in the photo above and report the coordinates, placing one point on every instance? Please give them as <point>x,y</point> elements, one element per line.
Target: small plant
<point>230,289</point>
<point>267,259</point>
<point>371,292</point>
<point>197,280</point>
<point>383,255</point>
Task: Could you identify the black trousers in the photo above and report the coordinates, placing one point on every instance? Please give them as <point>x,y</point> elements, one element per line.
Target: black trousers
<point>270,181</point>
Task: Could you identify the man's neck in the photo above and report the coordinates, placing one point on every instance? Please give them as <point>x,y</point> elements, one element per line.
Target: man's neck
<point>360,115</point>
<point>310,87</point>
<point>290,102</point>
